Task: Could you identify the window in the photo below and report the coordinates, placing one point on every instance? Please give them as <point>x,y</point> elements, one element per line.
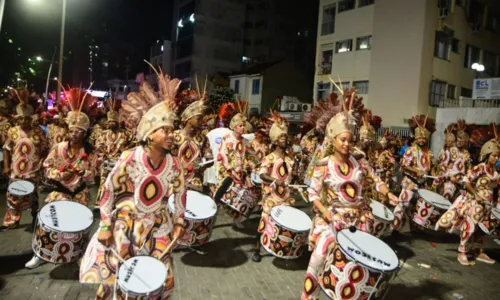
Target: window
<point>455,46</point>
<point>364,43</point>
<point>490,63</point>
<point>346,5</point>
<point>344,85</point>
<point>323,91</point>
<point>365,2</point>
<point>361,86</point>
<point>326,62</point>
<point>438,93</point>
<point>237,86</point>
<point>442,45</point>
<point>493,22</point>
<point>255,86</point>
<point>471,55</point>
<point>343,46</point>
<point>467,93</point>
<point>451,91</point>
<point>328,25</point>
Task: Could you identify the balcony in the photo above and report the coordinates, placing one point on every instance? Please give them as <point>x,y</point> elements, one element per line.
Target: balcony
<point>325,68</point>
<point>467,102</point>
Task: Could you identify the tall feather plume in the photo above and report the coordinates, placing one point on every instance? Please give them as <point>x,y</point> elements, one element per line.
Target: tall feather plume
<point>275,117</point>
<point>21,95</point>
<point>353,103</point>
<point>450,129</point>
<point>376,122</point>
<point>422,121</point>
<point>480,135</point>
<point>226,112</point>
<point>323,111</point>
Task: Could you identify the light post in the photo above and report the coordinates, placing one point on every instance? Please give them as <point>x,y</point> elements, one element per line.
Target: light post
<point>61,51</point>
<point>2,8</point>
<point>478,68</point>
<point>48,77</point>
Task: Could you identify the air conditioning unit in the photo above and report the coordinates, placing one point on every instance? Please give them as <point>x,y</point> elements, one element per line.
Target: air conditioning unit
<point>306,107</point>
<point>293,107</point>
<point>443,12</point>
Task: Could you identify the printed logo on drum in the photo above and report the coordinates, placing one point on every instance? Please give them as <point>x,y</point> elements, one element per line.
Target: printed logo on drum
<point>278,213</point>
<point>386,213</point>
<point>218,140</point>
<point>191,213</point>
<point>130,270</point>
<point>368,256</point>
<point>53,216</point>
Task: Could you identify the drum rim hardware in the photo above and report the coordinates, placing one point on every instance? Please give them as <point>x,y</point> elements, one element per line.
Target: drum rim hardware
<point>125,264</point>
<point>436,204</point>
<point>286,227</point>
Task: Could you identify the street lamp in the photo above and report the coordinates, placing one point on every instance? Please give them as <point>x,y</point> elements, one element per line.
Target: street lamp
<point>39,58</point>
<point>478,68</point>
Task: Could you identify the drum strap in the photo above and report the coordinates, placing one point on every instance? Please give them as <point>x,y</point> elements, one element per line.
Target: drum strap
<point>62,189</point>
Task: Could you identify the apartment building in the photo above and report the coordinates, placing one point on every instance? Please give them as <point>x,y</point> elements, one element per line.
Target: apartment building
<point>406,57</point>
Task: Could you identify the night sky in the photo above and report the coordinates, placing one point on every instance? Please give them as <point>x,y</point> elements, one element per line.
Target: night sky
<point>34,25</point>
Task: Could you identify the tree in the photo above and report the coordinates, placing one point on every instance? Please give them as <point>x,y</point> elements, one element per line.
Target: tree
<point>219,96</point>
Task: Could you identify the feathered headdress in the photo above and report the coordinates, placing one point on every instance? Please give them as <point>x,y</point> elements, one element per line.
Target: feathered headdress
<point>279,127</point>
<point>462,131</point>
<point>323,111</point>
<point>113,109</point>
<point>226,112</point>
<point>480,135</point>
<point>79,103</point>
<point>192,102</point>
<point>23,108</point>
<point>209,119</point>
<point>449,133</point>
<point>493,145</point>
<point>422,126</point>
<point>350,112</point>
<point>150,109</point>
<point>371,124</point>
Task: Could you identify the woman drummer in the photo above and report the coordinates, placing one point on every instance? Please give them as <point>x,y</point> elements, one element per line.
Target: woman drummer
<point>338,191</point>
<point>471,211</point>
<point>134,217</point>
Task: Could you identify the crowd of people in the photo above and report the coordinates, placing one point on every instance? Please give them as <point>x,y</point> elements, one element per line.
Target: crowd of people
<point>147,151</point>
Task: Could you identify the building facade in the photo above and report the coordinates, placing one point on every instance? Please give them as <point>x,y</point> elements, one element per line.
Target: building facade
<point>405,57</point>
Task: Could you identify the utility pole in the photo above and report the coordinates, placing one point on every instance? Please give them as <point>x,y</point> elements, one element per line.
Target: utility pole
<point>61,52</point>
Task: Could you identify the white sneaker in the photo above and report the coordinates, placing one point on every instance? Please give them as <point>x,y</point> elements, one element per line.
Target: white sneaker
<point>238,224</point>
<point>34,263</point>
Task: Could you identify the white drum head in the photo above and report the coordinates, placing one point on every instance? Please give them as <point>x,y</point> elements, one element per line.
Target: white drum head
<point>367,250</point>
<point>256,178</point>
<point>381,211</point>
<point>1,155</point>
<point>198,206</point>
<point>144,275</point>
<point>291,218</point>
<point>21,188</point>
<point>434,199</point>
<point>66,216</point>
<point>496,212</point>
<point>249,136</point>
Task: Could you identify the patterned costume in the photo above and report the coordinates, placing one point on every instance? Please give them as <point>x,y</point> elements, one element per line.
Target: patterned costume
<point>134,202</point>
<point>26,155</point>
<point>342,190</point>
<point>414,157</point>
<point>56,134</point>
<point>5,125</point>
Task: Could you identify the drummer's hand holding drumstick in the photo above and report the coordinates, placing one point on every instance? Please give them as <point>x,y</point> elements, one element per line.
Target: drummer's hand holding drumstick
<point>178,231</point>
<point>105,236</point>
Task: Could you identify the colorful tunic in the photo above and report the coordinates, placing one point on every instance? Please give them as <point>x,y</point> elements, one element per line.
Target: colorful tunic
<point>468,213</point>
<point>134,205</point>
<point>189,151</point>
<point>26,150</point>
<point>414,157</point>
<point>342,190</point>
<point>311,146</point>
<point>96,133</point>
<point>74,189</point>
<point>235,162</point>
<point>278,168</point>
<point>458,164</point>
<point>56,135</point>
<point>5,125</point>
<point>260,149</point>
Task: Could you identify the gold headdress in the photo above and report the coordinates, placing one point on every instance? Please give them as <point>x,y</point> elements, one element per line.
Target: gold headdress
<point>79,104</point>
<point>195,101</point>
<point>491,146</point>
<point>209,119</point>
<point>370,126</point>
<point>422,126</point>
<point>241,108</point>
<point>112,114</point>
<point>449,136</point>
<point>279,127</point>
<point>23,108</point>
<point>462,133</point>
<point>350,112</point>
<point>151,110</point>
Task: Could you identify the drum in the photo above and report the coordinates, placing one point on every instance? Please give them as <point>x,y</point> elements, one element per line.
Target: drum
<point>20,195</point>
<point>62,231</point>
<point>383,218</point>
<point>358,266</point>
<point>285,235</point>
<point>255,179</point>
<point>109,164</point>
<point>240,205</point>
<point>142,277</point>
<point>199,218</point>
<point>430,206</point>
<point>490,224</point>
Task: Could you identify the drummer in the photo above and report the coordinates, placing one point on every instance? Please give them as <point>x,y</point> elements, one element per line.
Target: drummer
<point>387,159</point>
<point>70,164</point>
<point>190,146</point>
<point>472,209</point>
<point>416,163</point>
<point>338,190</point>
<point>276,173</point>
<point>23,154</point>
<point>57,131</point>
<point>134,217</point>
<point>5,121</point>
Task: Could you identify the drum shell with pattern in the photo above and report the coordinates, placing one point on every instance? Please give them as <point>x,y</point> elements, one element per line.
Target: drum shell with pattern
<point>199,218</point>
<point>426,214</point>
<point>282,241</point>
<point>491,221</point>
<point>21,202</point>
<point>64,245</point>
<point>239,204</point>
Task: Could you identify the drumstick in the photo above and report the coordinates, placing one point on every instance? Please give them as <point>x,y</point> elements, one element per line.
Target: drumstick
<point>206,162</point>
<point>126,265</point>
<point>297,186</point>
<point>169,246</point>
